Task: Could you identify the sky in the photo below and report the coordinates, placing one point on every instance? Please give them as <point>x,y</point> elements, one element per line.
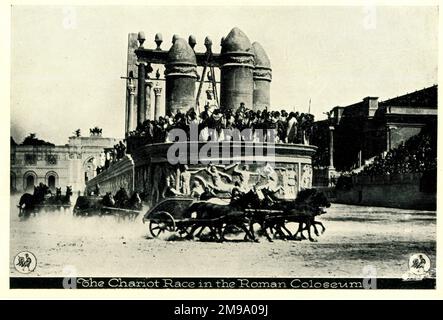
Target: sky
<point>66,62</point>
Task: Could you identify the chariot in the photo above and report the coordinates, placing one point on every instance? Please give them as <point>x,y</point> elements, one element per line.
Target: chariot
<point>176,215</point>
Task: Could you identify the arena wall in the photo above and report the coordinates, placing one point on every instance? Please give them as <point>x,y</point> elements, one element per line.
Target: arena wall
<point>406,191</point>
<point>119,174</point>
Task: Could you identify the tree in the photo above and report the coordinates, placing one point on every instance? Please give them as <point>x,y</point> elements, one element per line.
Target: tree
<point>31,140</point>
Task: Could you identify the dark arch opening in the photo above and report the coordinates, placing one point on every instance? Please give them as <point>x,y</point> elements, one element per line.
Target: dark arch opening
<point>30,182</point>
<point>51,182</point>
<point>13,182</point>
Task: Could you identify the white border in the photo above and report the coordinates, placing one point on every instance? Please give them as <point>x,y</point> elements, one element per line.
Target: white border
<point>236,294</point>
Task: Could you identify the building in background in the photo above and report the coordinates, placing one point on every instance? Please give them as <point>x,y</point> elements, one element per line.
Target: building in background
<point>72,164</point>
<point>355,134</point>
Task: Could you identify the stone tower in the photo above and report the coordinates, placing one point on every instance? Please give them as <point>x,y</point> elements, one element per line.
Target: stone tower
<point>262,78</point>
<point>181,75</point>
<point>237,65</point>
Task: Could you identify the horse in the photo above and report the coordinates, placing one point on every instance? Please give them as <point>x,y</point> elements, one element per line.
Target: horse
<point>273,214</point>
<point>318,201</point>
<point>58,193</point>
<point>307,206</point>
<point>251,200</point>
<point>26,205</point>
<point>87,205</point>
<point>215,216</point>
<point>28,202</point>
<point>60,199</point>
<point>108,200</point>
<point>134,203</point>
<point>259,210</point>
<point>83,205</point>
<point>66,199</point>
<point>121,198</point>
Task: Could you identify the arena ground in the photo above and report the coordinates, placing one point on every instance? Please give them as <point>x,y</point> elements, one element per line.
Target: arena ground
<point>355,237</point>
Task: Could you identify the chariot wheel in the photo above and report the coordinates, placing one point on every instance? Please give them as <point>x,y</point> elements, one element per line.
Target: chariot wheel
<point>160,223</point>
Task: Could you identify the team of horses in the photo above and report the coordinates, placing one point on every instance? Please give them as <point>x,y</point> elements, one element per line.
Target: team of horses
<point>243,212</point>
<point>120,204</point>
<point>43,197</point>
<point>248,209</point>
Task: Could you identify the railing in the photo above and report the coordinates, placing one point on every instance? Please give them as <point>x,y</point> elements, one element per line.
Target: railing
<point>224,151</point>
<point>119,174</point>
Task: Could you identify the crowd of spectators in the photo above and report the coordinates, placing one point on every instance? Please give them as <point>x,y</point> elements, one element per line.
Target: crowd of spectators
<point>292,127</point>
<point>112,155</point>
<point>417,154</point>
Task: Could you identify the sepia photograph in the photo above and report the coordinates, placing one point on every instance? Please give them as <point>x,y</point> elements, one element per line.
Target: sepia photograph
<point>222,147</point>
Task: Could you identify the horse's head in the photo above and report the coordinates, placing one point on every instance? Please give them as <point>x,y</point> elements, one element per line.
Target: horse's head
<point>43,188</point>
<point>250,199</point>
<point>109,198</point>
<point>321,199</point>
<point>41,191</point>
<point>121,194</point>
<point>135,198</point>
<point>320,202</point>
<point>305,195</point>
<point>143,195</point>
<point>69,191</point>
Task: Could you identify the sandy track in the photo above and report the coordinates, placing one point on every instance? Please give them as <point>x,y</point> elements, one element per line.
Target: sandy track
<point>355,237</point>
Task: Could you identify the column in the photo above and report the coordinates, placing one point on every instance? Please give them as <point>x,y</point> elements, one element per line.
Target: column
<point>331,147</point>
<point>148,100</point>
<point>157,92</point>
<point>130,107</point>
<point>299,177</point>
<point>177,178</point>
<point>141,96</point>
<point>388,138</point>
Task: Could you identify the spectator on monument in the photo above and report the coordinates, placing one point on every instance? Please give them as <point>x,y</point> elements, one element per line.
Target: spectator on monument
<point>291,131</point>
<point>288,128</point>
